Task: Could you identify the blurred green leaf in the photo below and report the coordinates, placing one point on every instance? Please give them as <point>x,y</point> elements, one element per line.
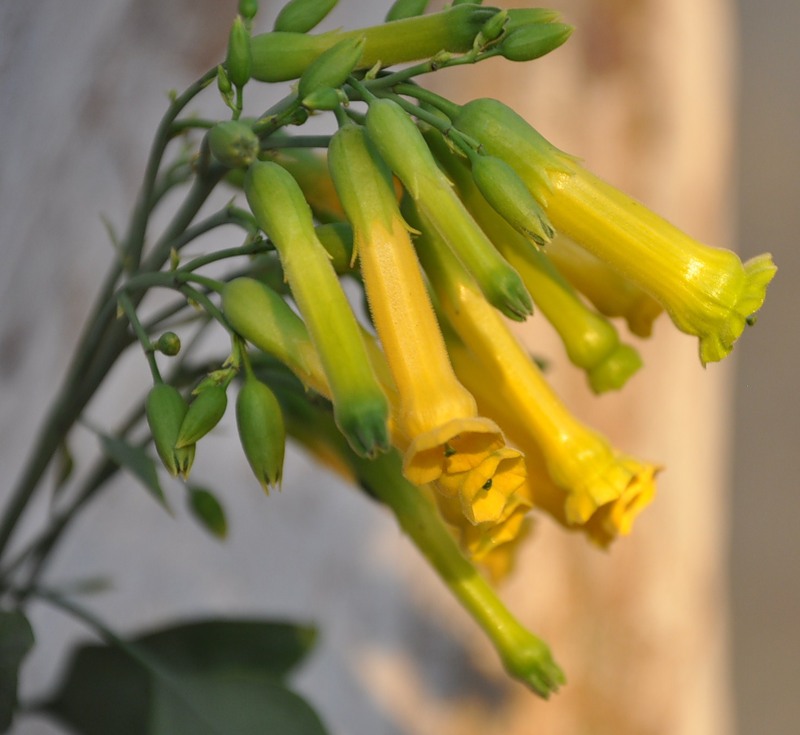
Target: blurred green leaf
<point>135,460</point>
<point>16,639</point>
<point>203,678</point>
<point>208,511</point>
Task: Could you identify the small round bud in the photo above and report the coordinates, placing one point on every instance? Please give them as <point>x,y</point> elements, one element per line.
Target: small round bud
<point>168,344</point>
<point>233,143</point>
<point>248,9</point>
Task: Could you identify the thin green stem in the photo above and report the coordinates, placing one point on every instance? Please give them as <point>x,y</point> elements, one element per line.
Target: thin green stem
<point>147,346</point>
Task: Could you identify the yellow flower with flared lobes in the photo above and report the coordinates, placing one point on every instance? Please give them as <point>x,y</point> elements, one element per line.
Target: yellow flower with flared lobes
<point>609,520</point>
<point>434,417</point>
<point>707,292</point>
<point>578,460</point>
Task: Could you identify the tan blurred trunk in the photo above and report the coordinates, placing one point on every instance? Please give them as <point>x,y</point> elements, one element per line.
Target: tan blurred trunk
<point>642,93</point>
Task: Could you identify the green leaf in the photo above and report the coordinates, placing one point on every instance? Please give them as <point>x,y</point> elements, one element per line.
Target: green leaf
<point>16,639</point>
<point>245,703</point>
<point>208,511</point>
<point>203,678</point>
<point>136,461</point>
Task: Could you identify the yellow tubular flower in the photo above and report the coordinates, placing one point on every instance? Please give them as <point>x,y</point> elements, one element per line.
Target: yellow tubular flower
<point>608,521</point>
<point>707,292</point>
<point>434,414</point>
<point>578,460</point>
<point>591,342</point>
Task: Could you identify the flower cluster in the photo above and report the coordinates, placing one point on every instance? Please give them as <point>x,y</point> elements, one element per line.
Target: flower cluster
<point>449,219</point>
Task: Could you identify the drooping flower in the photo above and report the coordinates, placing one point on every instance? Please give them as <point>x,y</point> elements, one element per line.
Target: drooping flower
<point>577,459</point>
<point>707,292</point>
<point>434,417</point>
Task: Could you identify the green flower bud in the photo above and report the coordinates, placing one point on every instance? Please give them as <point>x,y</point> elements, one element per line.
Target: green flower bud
<point>324,98</point>
<point>534,40</point>
<point>493,27</point>
<point>402,146</point>
<point>233,143</point>
<point>300,16</point>
<point>205,507</point>
<point>337,239</point>
<point>264,319</point>
<point>280,56</point>
<point>360,406</point>
<point>223,82</point>
<point>518,17</point>
<point>331,68</point>
<point>239,59</point>
<point>248,9</point>
<point>169,344</point>
<point>205,412</point>
<point>406,9</point>
<point>509,196</point>
<point>261,431</point>
<point>165,409</point>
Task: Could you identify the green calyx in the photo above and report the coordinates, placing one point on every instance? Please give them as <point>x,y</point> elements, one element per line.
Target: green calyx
<point>233,143</point>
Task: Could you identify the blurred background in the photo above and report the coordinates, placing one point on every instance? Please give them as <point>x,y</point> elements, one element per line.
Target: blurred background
<point>83,85</point>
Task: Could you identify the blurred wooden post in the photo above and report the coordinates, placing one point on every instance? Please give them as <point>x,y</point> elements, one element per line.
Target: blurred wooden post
<point>642,93</point>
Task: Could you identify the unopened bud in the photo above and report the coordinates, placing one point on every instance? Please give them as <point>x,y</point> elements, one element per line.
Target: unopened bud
<point>508,195</point>
<point>324,98</point>
<point>332,67</point>
<point>493,27</point>
<point>168,344</point>
<point>248,9</point>
<point>233,143</point>
<point>406,9</point>
<point>239,61</point>
<point>165,409</point>
<point>204,413</point>
<point>534,40</point>
<point>261,431</point>
<point>300,16</point>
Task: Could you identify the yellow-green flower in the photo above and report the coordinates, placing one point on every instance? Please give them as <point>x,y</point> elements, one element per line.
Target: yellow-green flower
<point>360,406</point>
<point>578,460</point>
<point>434,415</point>
<point>707,292</point>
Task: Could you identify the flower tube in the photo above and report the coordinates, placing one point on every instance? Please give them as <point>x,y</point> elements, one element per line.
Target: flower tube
<point>707,292</point>
<point>435,415</point>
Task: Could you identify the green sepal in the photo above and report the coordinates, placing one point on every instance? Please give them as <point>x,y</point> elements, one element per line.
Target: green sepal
<point>337,239</point>
<point>204,413</point>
